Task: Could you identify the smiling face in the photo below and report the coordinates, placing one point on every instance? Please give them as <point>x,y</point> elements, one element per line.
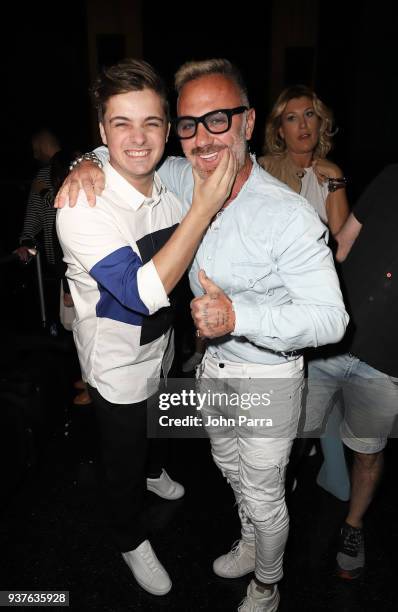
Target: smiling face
<point>300,126</point>
<point>203,95</point>
<point>135,128</point>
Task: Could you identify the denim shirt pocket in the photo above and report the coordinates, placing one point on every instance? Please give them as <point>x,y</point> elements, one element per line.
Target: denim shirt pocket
<point>252,279</point>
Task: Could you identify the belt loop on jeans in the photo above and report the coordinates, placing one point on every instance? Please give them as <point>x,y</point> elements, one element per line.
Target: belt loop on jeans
<point>290,354</point>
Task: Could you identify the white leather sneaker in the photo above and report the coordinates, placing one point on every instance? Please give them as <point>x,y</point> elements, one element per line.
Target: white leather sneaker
<point>165,487</point>
<point>147,569</point>
<point>239,561</point>
<point>259,599</point>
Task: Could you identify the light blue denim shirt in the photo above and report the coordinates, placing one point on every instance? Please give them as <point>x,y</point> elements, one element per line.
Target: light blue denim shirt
<point>267,250</point>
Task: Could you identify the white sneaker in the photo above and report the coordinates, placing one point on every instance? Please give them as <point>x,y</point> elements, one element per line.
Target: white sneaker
<point>239,561</point>
<point>259,599</point>
<point>165,487</point>
<point>190,364</point>
<point>147,569</point>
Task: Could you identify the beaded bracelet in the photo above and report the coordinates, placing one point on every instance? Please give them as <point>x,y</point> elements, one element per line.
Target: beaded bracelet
<point>336,183</point>
<point>86,157</point>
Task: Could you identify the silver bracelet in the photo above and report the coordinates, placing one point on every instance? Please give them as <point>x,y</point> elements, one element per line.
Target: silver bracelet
<point>86,157</point>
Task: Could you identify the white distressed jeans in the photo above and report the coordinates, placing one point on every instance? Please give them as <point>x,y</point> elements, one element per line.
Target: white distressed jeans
<point>250,457</point>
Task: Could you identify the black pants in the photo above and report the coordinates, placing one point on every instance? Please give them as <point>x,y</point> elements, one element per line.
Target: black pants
<point>128,458</point>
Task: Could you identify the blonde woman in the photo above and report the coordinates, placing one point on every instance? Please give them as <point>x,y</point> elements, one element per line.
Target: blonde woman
<point>298,137</point>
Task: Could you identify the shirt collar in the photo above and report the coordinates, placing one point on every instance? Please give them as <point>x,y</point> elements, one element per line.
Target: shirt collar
<point>129,194</point>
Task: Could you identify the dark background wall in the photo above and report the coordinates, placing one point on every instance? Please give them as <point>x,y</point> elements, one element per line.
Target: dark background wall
<point>44,73</point>
<point>242,35</point>
<point>50,53</point>
<point>356,74</point>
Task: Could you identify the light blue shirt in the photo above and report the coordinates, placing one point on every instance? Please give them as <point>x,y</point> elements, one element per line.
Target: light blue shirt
<point>267,250</point>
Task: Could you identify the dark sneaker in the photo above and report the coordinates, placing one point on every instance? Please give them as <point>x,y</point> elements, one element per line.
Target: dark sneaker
<point>351,556</point>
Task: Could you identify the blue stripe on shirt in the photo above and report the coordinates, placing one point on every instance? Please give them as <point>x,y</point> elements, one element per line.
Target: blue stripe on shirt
<point>109,308</point>
<point>116,275</point>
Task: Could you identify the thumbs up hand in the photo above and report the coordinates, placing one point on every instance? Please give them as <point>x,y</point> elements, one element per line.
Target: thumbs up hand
<point>209,287</point>
<point>213,313</point>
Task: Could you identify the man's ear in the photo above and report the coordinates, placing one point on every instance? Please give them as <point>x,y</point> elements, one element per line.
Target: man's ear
<point>250,121</point>
<point>102,132</point>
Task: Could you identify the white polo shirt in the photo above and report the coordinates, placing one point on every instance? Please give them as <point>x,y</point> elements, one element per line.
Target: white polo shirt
<point>123,315</point>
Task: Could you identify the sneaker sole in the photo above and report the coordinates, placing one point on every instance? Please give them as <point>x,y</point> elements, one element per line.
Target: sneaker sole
<point>156,492</point>
<point>349,574</point>
<point>271,607</point>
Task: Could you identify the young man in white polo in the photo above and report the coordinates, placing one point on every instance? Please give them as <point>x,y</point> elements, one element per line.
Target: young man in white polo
<point>124,258</point>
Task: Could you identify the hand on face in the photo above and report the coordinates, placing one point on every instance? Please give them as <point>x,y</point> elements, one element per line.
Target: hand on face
<point>210,192</point>
<point>213,313</point>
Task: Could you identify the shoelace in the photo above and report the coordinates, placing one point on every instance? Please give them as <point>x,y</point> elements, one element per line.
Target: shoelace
<point>236,549</point>
<point>234,552</point>
<point>149,559</point>
<point>352,541</point>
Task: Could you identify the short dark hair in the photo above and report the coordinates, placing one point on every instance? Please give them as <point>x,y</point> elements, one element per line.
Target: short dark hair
<point>127,75</point>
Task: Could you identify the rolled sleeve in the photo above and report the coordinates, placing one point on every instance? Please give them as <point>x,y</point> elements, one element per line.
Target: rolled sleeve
<point>90,239</point>
<point>150,288</point>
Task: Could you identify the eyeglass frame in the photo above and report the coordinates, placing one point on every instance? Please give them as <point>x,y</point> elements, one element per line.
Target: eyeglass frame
<point>230,112</point>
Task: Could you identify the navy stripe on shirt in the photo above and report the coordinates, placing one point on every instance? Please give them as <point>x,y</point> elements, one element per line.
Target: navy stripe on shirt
<point>151,243</point>
<point>159,323</point>
<point>116,275</point>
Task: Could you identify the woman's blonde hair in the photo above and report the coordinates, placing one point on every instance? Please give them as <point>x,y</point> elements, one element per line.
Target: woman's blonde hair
<point>274,143</point>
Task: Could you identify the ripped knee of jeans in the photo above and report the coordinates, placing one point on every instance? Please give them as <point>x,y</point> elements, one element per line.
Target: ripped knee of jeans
<point>263,493</point>
<point>265,511</point>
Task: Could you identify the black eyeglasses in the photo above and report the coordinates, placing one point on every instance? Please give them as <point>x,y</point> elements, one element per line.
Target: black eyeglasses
<point>216,122</point>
